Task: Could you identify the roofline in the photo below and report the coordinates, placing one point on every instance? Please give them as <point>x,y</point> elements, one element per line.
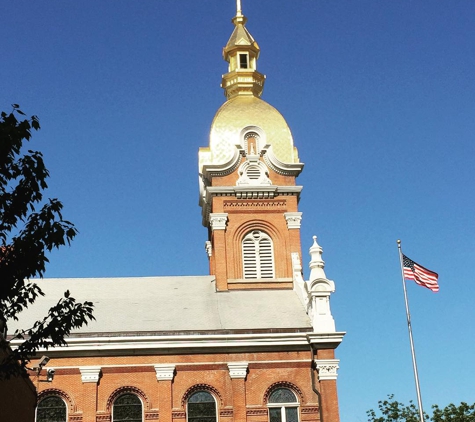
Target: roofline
<point>190,344</point>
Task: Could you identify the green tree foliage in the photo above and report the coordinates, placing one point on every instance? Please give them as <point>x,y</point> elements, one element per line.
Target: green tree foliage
<point>30,227</point>
<point>391,410</point>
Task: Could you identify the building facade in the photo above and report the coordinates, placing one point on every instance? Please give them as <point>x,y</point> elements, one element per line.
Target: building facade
<point>253,341</point>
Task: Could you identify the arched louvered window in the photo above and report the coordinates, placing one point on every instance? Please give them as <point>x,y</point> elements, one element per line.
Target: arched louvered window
<point>257,255</point>
<point>201,407</point>
<point>283,406</point>
<point>51,409</point>
<point>127,407</point>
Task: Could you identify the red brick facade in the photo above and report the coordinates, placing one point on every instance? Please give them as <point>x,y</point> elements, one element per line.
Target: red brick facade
<point>237,399</point>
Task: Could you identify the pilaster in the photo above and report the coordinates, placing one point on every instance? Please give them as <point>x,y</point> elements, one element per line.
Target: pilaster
<point>238,373</point>
<point>218,226</point>
<point>90,377</point>
<point>327,368</point>
<point>165,374</point>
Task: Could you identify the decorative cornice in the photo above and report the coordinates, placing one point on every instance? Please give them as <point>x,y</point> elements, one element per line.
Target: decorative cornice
<point>284,169</point>
<point>121,345</point>
<point>293,219</point>
<point>240,204</point>
<point>164,372</point>
<point>327,369</point>
<point>218,220</point>
<point>238,370</point>
<point>90,373</point>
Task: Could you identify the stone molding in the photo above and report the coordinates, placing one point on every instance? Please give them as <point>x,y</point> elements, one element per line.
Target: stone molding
<point>164,372</point>
<point>294,219</point>
<point>209,248</point>
<point>218,220</point>
<point>238,370</point>
<point>327,369</point>
<point>90,373</point>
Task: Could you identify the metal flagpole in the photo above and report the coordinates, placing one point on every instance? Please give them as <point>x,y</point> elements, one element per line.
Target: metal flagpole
<point>413,352</point>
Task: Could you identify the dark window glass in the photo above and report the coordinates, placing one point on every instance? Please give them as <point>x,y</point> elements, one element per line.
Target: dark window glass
<point>51,409</point>
<point>291,414</point>
<point>279,408</point>
<point>127,407</point>
<point>243,61</point>
<point>275,414</point>
<point>201,407</point>
<point>282,395</point>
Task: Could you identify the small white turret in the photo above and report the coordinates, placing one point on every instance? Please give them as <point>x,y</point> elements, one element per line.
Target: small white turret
<point>319,289</point>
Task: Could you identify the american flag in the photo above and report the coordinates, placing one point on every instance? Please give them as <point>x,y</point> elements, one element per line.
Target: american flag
<point>421,275</point>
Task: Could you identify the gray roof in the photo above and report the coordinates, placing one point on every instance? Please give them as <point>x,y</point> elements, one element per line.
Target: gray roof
<point>170,304</point>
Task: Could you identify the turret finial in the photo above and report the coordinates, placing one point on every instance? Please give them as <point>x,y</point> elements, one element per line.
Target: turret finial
<point>239,18</point>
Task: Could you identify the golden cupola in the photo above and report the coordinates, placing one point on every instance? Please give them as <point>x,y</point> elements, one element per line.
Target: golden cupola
<point>242,52</point>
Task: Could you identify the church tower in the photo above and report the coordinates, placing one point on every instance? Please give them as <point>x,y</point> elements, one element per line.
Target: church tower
<point>248,191</point>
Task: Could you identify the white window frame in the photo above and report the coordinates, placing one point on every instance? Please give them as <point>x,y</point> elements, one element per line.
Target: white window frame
<point>255,264</point>
<point>283,406</point>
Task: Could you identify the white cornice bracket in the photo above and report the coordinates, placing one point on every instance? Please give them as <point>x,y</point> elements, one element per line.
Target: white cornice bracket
<point>294,219</point>
<point>218,220</point>
<point>327,369</point>
<point>238,370</point>
<point>90,373</point>
<point>164,372</point>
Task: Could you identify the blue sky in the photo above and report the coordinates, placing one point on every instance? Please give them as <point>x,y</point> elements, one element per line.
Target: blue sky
<point>380,99</point>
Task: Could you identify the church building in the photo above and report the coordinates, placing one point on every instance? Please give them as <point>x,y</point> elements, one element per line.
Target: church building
<point>250,342</point>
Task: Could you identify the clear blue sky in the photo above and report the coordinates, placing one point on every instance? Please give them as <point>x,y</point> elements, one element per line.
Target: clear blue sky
<point>380,98</point>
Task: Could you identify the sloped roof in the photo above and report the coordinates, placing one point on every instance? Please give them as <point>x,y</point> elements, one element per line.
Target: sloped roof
<point>170,304</point>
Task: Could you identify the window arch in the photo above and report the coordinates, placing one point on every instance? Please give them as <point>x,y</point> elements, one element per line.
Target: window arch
<point>283,406</point>
<point>257,255</point>
<point>51,409</point>
<point>127,407</point>
<point>201,407</point>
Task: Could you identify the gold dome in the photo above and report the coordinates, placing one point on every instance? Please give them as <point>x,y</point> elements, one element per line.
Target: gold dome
<point>242,112</point>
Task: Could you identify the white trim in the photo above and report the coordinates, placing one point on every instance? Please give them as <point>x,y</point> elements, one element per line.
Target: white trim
<point>218,220</point>
<point>176,344</point>
<point>164,372</point>
<point>90,373</point>
<point>238,370</point>
<point>327,369</point>
<point>293,219</point>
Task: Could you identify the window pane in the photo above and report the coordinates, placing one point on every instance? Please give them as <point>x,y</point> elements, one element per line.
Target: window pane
<point>292,414</point>
<point>127,407</point>
<point>201,407</point>
<point>275,414</point>
<point>282,395</point>
<point>51,409</point>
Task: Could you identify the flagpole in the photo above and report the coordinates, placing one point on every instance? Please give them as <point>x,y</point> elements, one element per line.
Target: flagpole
<point>409,327</point>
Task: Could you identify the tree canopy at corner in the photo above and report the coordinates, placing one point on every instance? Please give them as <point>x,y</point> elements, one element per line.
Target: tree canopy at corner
<point>391,410</point>
<point>30,227</point>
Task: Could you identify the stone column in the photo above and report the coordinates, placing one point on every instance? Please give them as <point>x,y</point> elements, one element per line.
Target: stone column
<point>165,374</point>
<point>327,375</point>
<point>90,377</point>
<point>238,372</point>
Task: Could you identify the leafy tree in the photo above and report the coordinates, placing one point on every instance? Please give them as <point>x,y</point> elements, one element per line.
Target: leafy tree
<point>30,227</point>
<point>391,410</point>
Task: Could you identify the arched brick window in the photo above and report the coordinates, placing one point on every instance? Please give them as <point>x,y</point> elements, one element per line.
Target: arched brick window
<point>51,409</point>
<point>127,407</point>
<point>257,255</point>
<point>201,407</point>
<point>283,406</point>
